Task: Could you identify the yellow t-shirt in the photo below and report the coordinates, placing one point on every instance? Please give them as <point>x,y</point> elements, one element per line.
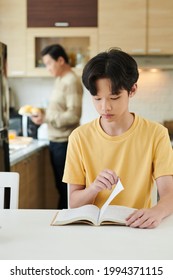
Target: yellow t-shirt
<point>138,156</point>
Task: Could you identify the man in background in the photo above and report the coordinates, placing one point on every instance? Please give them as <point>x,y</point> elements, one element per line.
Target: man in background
<point>63,112</point>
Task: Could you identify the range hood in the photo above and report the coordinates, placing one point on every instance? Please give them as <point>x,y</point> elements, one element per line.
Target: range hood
<point>147,62</point>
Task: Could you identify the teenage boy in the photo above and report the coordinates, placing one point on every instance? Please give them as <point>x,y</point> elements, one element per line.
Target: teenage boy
<point>119,144</point>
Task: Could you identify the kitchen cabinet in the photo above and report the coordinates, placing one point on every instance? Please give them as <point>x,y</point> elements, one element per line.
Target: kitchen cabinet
<point>37,186</point>
<point>122,24</point>
<point>13,33</point>
<point>24,44</point>
<point>160,27</point>
<point>136,26</point>
<point>62,13</point>
<point>81,39</point>
<point>31,178</point>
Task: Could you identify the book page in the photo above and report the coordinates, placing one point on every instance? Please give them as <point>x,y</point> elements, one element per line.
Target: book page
<point>87,212</point>
<point>116,213</point>
<point>118,188</point>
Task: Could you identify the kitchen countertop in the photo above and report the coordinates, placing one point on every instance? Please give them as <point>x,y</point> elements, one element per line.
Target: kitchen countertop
<point>22,153</point>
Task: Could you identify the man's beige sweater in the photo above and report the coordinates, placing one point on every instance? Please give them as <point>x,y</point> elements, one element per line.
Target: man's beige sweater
<point>65,107</point>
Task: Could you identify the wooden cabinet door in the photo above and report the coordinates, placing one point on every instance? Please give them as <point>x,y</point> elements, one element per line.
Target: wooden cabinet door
<point>122,24</point>
<point>160,27</point>
<point>73,13</point>
<point>37,183</point>
<point>22,168</point>
<point>31,187</point>
<point>35,180</point>
<point>13,33</point>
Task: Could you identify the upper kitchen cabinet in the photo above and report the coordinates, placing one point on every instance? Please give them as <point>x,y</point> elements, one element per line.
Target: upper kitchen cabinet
<point>136,26</point>
<point>122,24</point>
<point>62,13</point>
<point>13,33</point>
<point>80,43</point>
<point>160,27</point>
<point>71,23</point>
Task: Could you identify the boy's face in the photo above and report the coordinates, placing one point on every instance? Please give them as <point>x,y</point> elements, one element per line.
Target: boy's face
<point>111,107</point>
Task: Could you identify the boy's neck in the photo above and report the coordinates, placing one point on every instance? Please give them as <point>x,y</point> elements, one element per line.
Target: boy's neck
<point>116,128</point>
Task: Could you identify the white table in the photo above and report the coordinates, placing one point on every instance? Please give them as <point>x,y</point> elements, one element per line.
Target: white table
<point>27,234</point>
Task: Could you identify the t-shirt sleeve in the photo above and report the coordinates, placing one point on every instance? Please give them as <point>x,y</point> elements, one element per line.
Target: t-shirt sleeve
<point>163,156</point>
<point>74,172</point>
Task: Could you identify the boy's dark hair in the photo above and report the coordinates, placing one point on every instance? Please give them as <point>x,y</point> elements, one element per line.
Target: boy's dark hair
<point>55,51</point>
<point>113,64</point>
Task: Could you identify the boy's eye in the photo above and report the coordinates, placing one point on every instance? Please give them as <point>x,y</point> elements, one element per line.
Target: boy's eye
<point>115,98</point>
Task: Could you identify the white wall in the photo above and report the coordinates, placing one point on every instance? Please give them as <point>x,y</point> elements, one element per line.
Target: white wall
<point>154,98</point>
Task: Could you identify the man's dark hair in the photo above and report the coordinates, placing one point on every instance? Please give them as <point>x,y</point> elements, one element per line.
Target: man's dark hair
<point>55,51</point>
<point>114,64</point>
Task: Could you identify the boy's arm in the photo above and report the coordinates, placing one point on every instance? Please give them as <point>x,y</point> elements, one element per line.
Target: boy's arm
<point>150,218</point>
<point>80,195</point>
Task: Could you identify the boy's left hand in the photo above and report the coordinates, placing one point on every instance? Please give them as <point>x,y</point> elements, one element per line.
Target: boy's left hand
<point>144,218</point>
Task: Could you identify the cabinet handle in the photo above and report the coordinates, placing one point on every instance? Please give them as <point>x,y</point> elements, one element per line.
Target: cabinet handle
<point>61,24</point>
<point>138,51</point>
<point>154,51</point>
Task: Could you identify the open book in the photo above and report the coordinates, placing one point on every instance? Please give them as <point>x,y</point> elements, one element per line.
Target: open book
<point>91,214</point>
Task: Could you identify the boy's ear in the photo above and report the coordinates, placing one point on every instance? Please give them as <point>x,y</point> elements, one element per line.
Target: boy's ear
<point>133,90</point>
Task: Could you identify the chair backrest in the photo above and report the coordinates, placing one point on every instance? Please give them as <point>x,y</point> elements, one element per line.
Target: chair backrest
<point>9,180</point>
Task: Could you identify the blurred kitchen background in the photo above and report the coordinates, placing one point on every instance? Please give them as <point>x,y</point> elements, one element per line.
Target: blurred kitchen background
<point>154,98</point>
<point>143,28</point>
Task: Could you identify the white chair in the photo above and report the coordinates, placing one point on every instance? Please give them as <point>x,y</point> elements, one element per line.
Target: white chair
<point>9,180</point>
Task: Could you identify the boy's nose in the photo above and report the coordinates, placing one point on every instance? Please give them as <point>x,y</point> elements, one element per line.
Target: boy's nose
<point>106,106</point>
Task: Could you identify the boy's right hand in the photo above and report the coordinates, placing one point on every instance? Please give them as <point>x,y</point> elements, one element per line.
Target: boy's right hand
<point>106,179</point>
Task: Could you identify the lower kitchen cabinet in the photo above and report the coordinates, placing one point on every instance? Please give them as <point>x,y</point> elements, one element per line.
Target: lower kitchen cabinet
<point>37,186</point>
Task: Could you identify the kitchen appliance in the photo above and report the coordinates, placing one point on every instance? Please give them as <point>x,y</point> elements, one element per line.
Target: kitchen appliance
<point>23,125</point>
<point>4,116</point>
<point>15,123</point>
<point>29,129</point>
<point>15,120</point>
